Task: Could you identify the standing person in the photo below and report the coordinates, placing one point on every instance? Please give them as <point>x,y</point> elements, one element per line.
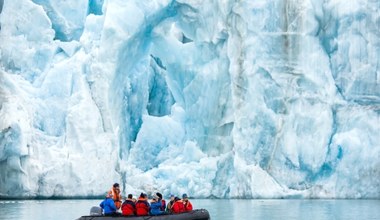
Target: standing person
<point>142,205</point>
<point>115,191</point>
<point>186,203</point>
<point>170,204</point>
<point>155,206</point>
<point>108,205</point>
<point>163,202</point>
<point>178,206</point>
<point>128,207</point>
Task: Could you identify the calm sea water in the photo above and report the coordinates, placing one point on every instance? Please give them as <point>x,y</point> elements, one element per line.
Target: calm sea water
<point>219,209</point>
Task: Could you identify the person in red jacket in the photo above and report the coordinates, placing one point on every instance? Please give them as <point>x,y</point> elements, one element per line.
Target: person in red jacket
<point>178,206</point>
<point>142,205</point>
<point>128,207</point>
<point>186,203</point>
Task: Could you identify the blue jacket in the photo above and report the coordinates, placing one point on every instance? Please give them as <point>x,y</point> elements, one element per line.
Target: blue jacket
<point>108,205</point>
<point>155,208</point>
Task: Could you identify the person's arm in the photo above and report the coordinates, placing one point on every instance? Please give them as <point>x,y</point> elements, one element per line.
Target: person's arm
<point>163,205</point>
<point>189,206</point>
<point>148,206</point>
<point>113,206</point>
<point>119,199</point>
<point>134,208</point>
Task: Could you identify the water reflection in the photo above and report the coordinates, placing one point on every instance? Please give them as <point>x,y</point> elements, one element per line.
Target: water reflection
<point>219,209</point>
<point>291,209</point>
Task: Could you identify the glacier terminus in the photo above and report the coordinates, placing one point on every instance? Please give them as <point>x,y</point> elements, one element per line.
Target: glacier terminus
<point>215,98</point>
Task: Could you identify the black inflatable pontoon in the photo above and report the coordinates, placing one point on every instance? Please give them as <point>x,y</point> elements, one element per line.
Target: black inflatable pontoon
<point>198,214</point>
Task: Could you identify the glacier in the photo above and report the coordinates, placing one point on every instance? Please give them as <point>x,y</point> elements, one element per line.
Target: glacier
<point>218,99</point>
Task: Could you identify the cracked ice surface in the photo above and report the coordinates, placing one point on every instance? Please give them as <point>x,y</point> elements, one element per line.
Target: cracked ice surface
<point>227,99</point>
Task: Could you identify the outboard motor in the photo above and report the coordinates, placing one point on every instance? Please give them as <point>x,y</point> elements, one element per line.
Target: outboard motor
<point>96,211</point>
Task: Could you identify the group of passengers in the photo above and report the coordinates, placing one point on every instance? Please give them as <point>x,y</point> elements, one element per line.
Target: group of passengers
<point>112,204</point>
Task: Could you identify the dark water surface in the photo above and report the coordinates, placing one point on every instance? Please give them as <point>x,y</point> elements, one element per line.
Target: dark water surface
<point>219,209</point>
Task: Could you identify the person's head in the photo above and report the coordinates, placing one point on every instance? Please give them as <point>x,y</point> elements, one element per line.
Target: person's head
<point>130,196</point>
<point>116,186</point>
<point>176,199</point>
<point>109,195</point>
<point>172,197</point>
<point>159,195</point>
<point>143,195</point>
<point>155,197</point>
<point>185,197</point>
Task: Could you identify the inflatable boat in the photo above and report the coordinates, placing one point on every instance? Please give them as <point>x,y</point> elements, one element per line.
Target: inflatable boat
<point>197,214</point>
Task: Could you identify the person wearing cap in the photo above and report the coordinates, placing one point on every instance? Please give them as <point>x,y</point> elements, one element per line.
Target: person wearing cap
<point>178,206</point>
<point>155,206</point>
<point>128,207</point>
<point>108,205</point>
<point>142,205</point>
<point>186,203</point>
<point>170,204</point>
<point>116,196</point>
<point>163,202</point>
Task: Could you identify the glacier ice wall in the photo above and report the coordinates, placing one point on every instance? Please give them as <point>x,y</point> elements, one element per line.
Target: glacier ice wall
<point>219,99</point>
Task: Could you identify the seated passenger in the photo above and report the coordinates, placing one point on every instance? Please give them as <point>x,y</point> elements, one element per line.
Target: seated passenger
<point>155,206</point>
<point>128,207</point>
<point>170,204</point>
<point>108,205</point>
<point>142,205</point>
<point>178,206</point>
<point>186,203</point>
<point>163,202</point>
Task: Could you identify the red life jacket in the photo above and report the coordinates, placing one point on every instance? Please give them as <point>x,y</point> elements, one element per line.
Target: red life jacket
<point>178,207</point>
<point>142,207</point>
<point>128,207</point>
<point>163,205</point>
<point>188,206</point>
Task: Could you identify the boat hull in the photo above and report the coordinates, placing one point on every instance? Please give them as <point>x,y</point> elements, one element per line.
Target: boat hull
<point>198,214</point>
